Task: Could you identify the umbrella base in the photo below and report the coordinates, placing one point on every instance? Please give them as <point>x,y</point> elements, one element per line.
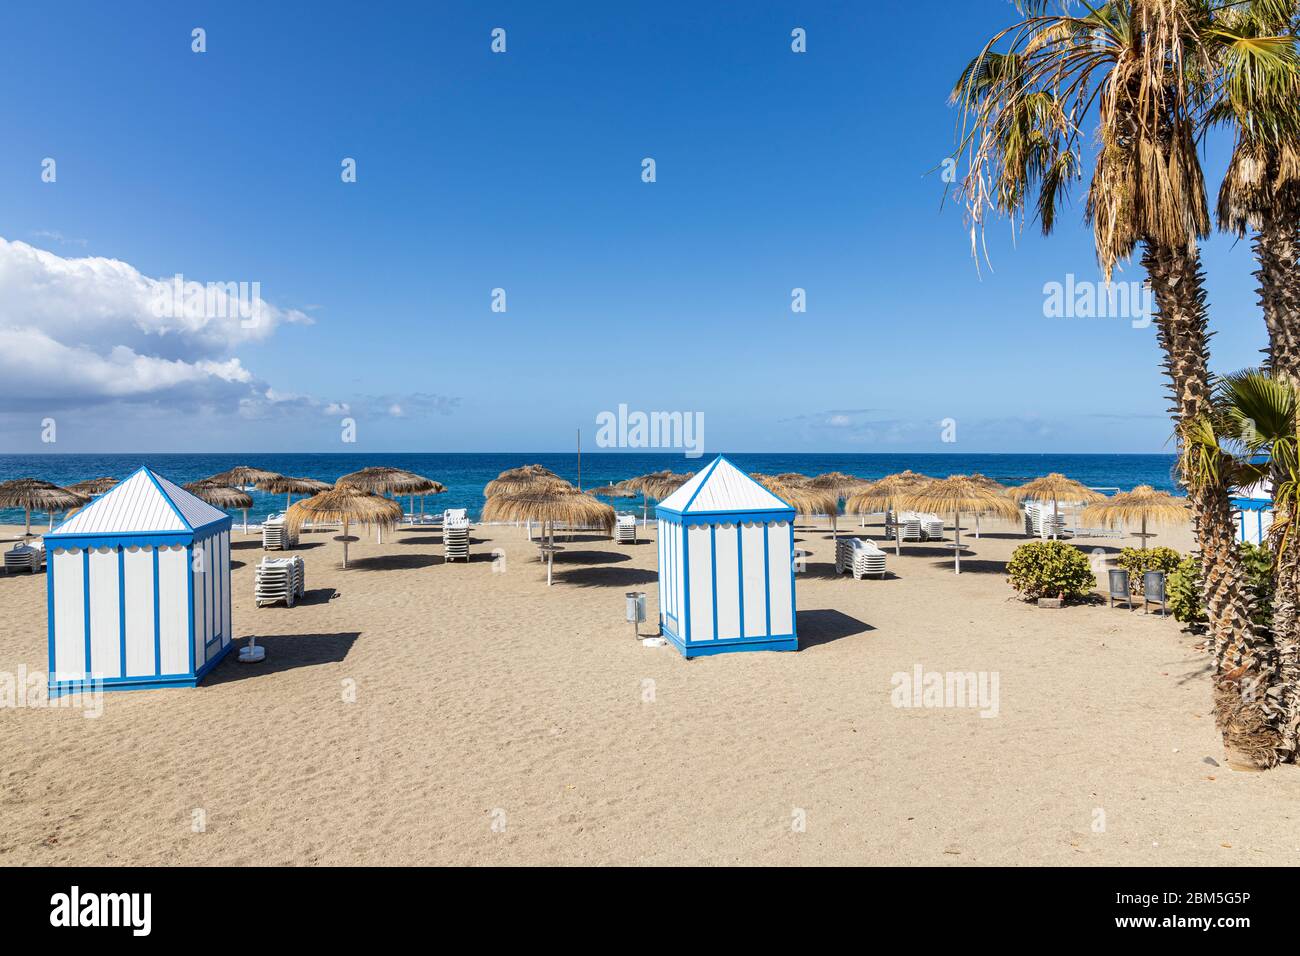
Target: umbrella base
<point>251,654</point>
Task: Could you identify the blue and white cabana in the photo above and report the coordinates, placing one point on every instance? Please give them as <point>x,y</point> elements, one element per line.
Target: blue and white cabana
<point>138,589</point>
<point>1254,510</point>
<point>726,569</point>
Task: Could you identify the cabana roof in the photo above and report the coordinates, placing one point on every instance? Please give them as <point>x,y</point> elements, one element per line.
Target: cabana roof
<point>142,504</point>
<point>722,488</point>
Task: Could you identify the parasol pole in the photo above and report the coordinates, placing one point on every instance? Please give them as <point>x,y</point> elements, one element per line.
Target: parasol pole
<point>956,551</point>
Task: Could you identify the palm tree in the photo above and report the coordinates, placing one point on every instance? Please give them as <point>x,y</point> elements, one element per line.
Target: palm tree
<point>1261,188</point>
<point>1135,73</point>
<point>1255,426</point>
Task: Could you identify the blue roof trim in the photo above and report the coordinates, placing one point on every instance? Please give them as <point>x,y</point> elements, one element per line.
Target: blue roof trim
<point>703,481</point>
<point>724,517</point>
<point>166,497</point>
<point>1252,504</point>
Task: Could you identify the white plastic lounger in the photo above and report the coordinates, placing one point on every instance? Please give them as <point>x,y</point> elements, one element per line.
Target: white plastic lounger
<point>276,535</point>
<point>455,535</point>
<point>860,557</point>
<point>908,526</point>
<point>25,557</point>
<point>280,579</point>
<point>625,529</point>
<point>931,527</point>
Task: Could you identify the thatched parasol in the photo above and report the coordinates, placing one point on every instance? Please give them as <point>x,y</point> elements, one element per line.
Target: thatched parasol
<point>241,476</point>
<point>33,494</point>
<point>550,505</point>
<point>1053,488</point>
<point>612,491</point>
<point>222,496</point>
<point>344,504</point>
<point>840,485</point>
<point>383,480</point>
<point>957,495</point>
<point>990,484</point>
<point>806,500</point>
<point>1142,504</point>
<point>883,496</point>
<point>94,486</point>
<point>658,485</point>
<point>288,486</point>
<point>514,481</point>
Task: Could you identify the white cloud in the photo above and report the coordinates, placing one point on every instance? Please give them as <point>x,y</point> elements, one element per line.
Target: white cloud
<point>93,333</point>
<point>77,331</point>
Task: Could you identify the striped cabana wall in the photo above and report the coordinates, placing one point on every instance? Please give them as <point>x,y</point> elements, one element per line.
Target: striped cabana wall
<point>138,589</point>
<point>726,571</point>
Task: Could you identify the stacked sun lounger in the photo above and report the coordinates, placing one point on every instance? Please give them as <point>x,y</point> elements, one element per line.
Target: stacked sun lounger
<point>625,529</point>
<point>25,557</point>
<point>1041,521</point>
<point>931,527</point>
<point>859,557</point>
<point>280,579</point>
<point>455,535</point>
<point>276,535</point>
<point>907,526</point>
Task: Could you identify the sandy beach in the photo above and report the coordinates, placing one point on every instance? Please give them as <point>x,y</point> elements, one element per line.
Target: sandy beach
<point>411,712</point>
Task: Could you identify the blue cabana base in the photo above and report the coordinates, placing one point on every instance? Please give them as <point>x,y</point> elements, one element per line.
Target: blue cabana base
<point>788,643</point>
<point>61,688</point>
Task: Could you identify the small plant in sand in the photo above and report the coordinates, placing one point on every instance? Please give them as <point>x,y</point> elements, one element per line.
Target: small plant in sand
<point>1138,561</point>
<point>1050,569</point>
<point>1185,587</point>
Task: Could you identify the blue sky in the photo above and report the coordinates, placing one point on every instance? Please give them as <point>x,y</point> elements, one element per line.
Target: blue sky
<point>522,171</point>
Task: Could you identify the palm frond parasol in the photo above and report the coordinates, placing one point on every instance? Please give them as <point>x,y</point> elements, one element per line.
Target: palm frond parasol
<point>515,481</point>
<point>658,485</point>
<point>383,480</point>
<point>289,486</point>
<point>883,495</point>
<point>220,496</point>
<point>1054,488</point>
<point>34,494</point>
<point>94,486</point>
<point>550,505</point>
<point>1143,504</point>
<point>241,476</point>
<point>344,504</point>
<point>612,491</point>
<point>992,485</point>
<point>957,495</point>
<point>837,482</point>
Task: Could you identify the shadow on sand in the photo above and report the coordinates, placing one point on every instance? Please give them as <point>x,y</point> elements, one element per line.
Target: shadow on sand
<point>606,577</point>
<point>823,625</point>
<point>284,652</point>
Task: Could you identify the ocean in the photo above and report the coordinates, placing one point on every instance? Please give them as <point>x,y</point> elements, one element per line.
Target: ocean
<point>466,474</point>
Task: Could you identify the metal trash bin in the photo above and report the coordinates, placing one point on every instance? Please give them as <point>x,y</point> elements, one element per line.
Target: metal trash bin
<point>635,610</point>
<point>1119,588</point>
<point>1153,590</point>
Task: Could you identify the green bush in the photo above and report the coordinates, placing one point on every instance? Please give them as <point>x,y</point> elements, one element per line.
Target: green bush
<point>1050,569</point>
<point>1137,562</point>
<point>1183,592</point>
<point>1186,595</point>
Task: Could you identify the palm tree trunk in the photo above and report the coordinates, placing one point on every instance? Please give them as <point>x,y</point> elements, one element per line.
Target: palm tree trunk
<point>1277,249</point>
<point>1243,658</point>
